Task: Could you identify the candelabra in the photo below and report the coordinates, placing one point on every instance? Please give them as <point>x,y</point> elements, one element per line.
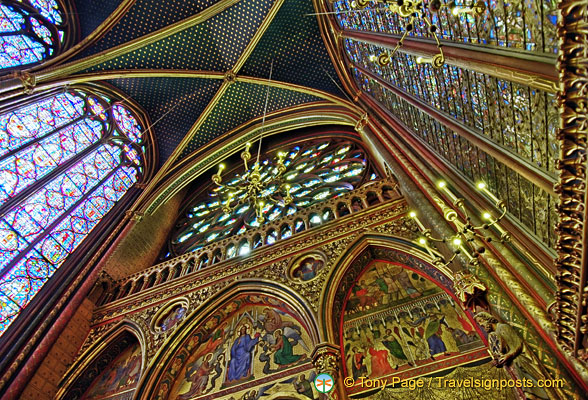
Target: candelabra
<point>416,9</point>
<point>255,188</point>
<point>466,232</point>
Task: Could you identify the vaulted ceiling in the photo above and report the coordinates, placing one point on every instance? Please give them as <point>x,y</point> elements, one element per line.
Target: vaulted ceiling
<point>200,68</point>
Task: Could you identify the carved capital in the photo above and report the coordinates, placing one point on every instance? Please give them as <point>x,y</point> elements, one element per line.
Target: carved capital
<point>28,81</point>
<point>362,122</point>
<point>470,290</point>
<point>134,215</point>
<point>327,358</point>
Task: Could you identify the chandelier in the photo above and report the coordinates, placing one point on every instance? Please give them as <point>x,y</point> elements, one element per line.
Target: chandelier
<point>466,232</point>
<point>260,189</point>
<point>413,10</point>
<point>255,186</point>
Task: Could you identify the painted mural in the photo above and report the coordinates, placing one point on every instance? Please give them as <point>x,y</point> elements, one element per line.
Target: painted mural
<point>251,341</point>
<point>172,318</point>
<point>119,380</point>
<point>397,322</point>
<point>307,268</point>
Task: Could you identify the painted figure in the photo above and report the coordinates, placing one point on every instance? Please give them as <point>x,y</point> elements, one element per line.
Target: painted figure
<point>433,335</point>
<point>198,376</point>
<point>302,386</point>
<point>358,367</point>
<point>283,350</point>
<point>394,346</point>
<point>242,355</point>
<point>173,318</point>
<point>380,364</point>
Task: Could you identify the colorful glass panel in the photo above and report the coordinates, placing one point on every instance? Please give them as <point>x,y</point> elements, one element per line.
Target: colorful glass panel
<point>31,32</point>
<point>62,171</point>
<point>37,160</point>
<point>520,112</point>
<point>522,24</point>
<point>309,172</point>
<point>531,205</point>
<point>36,120</point>
<point>127,123</point>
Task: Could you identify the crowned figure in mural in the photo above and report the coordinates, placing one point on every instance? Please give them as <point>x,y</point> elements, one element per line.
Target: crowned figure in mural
<point>242,354</point>
<point>509,351</point>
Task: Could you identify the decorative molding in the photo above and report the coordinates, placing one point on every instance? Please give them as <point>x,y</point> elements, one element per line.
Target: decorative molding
<point>269,263</point>
<point>572,294</point>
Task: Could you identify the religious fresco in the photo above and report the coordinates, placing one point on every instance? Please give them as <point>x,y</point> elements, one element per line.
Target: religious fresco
<point>397,322</point>
<point>119,380</point>
<point>251,341</point>
<point>296,387</point>
<point>171,318</point>
<point>307,268</point>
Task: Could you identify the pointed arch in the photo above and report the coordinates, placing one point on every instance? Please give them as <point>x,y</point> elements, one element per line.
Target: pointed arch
<point>67,158</point>
<point>90,364</point>
<point>34,31</point>
<point>355,259</point>
<point>182,341</point>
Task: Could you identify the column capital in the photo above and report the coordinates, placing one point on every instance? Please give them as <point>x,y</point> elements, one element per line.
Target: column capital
<point>326,357</point>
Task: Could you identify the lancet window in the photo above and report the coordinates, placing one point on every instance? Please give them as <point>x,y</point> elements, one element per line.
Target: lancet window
<point>66,159</point>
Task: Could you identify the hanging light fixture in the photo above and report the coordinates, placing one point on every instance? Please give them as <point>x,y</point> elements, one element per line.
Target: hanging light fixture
<point>254,186</point>
<point>414,10</point>
<point>465,231</point>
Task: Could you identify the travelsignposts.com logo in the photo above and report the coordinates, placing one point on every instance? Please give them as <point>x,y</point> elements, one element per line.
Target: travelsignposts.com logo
<point>324,383</point>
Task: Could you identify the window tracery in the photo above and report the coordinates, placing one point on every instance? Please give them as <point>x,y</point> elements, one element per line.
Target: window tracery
<point>32,31</point>
<point>65,161</point>
<point>531,205</point>
<point>316,171</point>
<point>524,25</point>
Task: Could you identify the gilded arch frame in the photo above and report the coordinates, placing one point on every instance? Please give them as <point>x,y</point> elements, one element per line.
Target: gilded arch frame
<point>84,361</point>
<point>152,375</point>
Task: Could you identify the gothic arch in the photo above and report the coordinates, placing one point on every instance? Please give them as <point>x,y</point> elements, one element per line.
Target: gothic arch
<point>234,141</point>
<point>125,331</point>
<point>35,33</point>
<point>150,384</point>
<point>352,263</point>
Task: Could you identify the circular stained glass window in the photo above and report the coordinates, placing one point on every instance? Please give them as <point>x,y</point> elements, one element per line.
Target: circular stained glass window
<point>316,171</point>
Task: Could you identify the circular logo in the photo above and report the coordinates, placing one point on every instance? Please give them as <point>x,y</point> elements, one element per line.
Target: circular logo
<point>324,383</point>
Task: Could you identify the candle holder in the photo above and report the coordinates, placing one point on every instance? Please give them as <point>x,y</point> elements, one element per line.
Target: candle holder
<point>466,232</point>
<point>414,10</point>
<point>256,188</point>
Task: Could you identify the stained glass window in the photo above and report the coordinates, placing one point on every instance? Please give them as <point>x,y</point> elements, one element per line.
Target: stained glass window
<point>524,25</point>
<point>65,161</point>
<point>531,205</point>
<point>519,118</point>
<point>31,31</point>
<point>316,171</point>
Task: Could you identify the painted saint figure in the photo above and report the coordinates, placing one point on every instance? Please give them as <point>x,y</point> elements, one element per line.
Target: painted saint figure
<point>358,368</point>
<point>303,387</point>
<point>380,364</point>
<point>283,350</point>
<point>433,335</point>
<point>198,377</point>
<point>242,355</point>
